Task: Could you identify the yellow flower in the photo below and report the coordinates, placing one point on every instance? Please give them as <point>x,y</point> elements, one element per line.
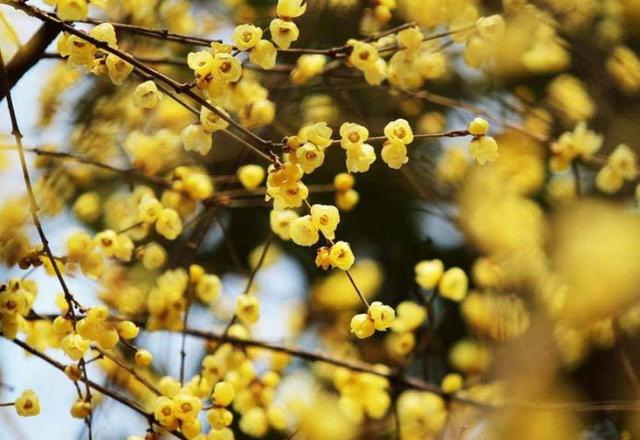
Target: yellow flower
<point>428,273</point>
<point>169,224</point>
<point>360,158</point>
<point>410,38</point>
<point>200,62</point>
<point>469,356</point>
<point>343,182</point>
<point>400,344</point>
<point>283,32</point>
<point>453,284</point>
<point>309,156</point>
<point>363,55</point>
<point>308,66</point>
<point>164,412</point>
<point>353,135</point>
<point>608,180</point>
<point>264,54</point>
<point>87,207</point>
<point>491,28</point>
<point>291,8</point>
<point>394,154</point>
<point>246,36</point>
<point>376,73</point>
<point>399,131</point>
<point>127,330</point>
<point>192,429</point>
<point>118,69</point>
<point>146,95</point>
<point>623,162</point>
<point>362,326</point>
<point>409,317</point>
<point>149,209</point>
<point>624,66</point>
<point>478,127</point>
<point>223,394</point>
<point>318,133</point>
<point>28,404</point>
<point>186,407</point>
<point>290,195</point>
<point>212,120</point>
<point>451,383</point>
<point>72,10</point>
<point>143,358</point>
<point>280,222</point>
<point>341,255</point>
<point>326,219</point>
<point>347,200</point>
<point>79,244</point>
<point>484,149</point>
<point>208,288</point>
<point>248,309</point>
<point>107,241</point>
<point>74,345</point>
<point>153,256</point>
<point>382,315</point>
<point>103,32</point>
<point>81,409</point>
<point>251,176</point>
<point>303,231</point>
<point>227,67</point>
<point>78,50</point>
<point>219,419</point>
<point>195,138</point>
<point>254,422</point>
<point>322,258</point>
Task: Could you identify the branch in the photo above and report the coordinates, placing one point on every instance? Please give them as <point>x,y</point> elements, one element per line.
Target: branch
<point>97,387</point>
<point>29,54</point>
<point>33,204</point>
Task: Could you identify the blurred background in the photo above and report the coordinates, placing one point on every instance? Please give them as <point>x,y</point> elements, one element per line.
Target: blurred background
<point>402,217</point>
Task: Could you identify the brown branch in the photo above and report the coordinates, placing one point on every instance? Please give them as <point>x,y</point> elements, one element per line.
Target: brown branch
<point>128,369</point>
<point>97,387</point>
<point>33,204</point>
<point>29,54</point>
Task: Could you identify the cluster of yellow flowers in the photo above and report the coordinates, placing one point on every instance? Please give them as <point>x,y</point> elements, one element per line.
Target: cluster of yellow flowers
<point>581,142</point>
<point>621,165</point>
<point>166,301</point>
<point>451,284</point>
<point>416,62</point>
<point>421,414</point>
<point>100,62</point>
<point>229,380</point>
<point>402,340</point>
<point>362,394</point>
<point>16,300</point>
<point>75,338</point>
<point>378,317</point>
